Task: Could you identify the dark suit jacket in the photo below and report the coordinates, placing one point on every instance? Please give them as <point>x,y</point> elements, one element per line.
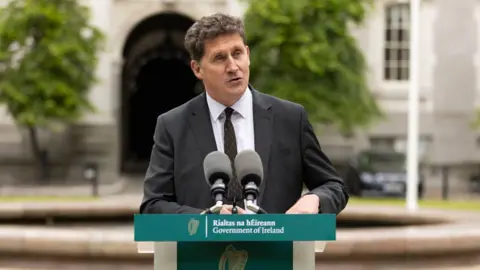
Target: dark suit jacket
<point>284,139</point>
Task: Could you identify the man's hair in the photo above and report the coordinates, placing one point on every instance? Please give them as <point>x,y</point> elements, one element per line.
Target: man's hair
<point>210,27</point>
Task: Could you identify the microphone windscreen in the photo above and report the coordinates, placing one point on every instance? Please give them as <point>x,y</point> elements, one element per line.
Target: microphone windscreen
<point>217,165</point>
<point>248,167</point>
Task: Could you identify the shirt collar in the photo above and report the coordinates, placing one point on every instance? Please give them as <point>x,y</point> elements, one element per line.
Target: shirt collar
<point>243,106</point>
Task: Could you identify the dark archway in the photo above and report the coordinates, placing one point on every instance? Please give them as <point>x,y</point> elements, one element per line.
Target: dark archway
<point>156,78</point>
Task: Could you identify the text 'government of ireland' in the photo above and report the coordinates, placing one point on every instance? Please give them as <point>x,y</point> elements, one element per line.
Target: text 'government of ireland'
<point>251,226</point>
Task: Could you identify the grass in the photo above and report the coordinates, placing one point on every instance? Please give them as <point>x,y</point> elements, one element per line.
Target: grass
<point>33,198</point>
<point>467,205</point>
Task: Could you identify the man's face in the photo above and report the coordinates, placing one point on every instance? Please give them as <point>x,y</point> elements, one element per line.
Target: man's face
<point>224,68</point>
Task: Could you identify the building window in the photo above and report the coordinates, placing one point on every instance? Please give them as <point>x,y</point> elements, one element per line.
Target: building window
<point>397,46</point>
<point>382,143</point>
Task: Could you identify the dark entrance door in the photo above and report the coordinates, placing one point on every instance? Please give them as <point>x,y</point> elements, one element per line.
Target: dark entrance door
<point>158,79</point>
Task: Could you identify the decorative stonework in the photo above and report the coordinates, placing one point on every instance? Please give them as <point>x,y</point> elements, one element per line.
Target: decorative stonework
<point>128,13</point>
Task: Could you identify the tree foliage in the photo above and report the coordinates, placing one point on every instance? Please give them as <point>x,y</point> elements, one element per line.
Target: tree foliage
<point>48,56</point>
<point>303,51</point>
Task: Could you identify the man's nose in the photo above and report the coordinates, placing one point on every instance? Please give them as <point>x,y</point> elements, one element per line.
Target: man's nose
<point>232,65</point>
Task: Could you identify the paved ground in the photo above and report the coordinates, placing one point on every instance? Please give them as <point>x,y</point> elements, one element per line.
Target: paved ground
<point>42,264</point>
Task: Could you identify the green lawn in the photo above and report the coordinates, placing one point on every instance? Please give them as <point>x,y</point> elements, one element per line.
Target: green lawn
<point>5,199</point>
<point>470,205</point>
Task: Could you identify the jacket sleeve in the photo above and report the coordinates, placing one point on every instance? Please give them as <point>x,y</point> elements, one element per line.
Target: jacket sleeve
<point>158,189</point>
<point>319,175</point>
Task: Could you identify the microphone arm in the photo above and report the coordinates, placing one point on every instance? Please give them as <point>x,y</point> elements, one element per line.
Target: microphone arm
<point>214,209</point>
<point>255,208</point>
<point>251,192</point>
<point>217,190</point>
<point>234,207</point>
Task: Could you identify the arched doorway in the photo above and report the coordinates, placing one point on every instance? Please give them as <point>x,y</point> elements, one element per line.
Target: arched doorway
<point>156,78</point>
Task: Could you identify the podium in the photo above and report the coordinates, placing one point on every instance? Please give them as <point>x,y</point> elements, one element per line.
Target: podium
<point>233,242</point>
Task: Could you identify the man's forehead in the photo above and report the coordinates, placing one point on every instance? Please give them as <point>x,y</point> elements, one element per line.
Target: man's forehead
<point>223,43</point>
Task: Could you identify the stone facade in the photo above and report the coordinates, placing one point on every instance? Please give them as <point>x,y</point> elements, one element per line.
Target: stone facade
<point>449,88</point>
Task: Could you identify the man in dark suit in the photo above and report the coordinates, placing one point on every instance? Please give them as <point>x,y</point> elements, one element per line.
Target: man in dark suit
<point>231,116</point>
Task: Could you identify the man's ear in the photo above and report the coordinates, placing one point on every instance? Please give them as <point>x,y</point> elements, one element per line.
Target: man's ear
<point>195,66</point>
<point>248,54</point>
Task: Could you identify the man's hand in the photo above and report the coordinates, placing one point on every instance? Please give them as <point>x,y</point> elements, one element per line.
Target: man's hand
<point>227,210</point>
<point>308,204</point>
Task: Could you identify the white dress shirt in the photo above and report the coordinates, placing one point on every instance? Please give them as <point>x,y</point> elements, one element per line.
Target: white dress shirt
<point>242,120</point>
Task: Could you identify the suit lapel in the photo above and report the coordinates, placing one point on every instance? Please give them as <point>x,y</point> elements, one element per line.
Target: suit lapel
<point>263,125</point>
<point>199,120</point>
<point>200,123</point>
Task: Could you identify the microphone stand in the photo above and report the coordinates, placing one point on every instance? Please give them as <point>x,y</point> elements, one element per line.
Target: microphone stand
<point>214,209</point>
<point>217,193</point>
<point>251,193</point>
<point>234,206</point>
<point>254,208</point>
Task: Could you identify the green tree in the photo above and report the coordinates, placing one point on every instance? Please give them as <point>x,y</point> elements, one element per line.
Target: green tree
<point>48,56</point>
<point>303,51</point>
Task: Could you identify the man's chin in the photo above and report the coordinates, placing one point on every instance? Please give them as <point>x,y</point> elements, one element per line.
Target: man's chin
<point>236,87</point>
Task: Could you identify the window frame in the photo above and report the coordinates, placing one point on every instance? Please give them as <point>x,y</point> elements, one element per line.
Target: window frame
<point>391,85</point>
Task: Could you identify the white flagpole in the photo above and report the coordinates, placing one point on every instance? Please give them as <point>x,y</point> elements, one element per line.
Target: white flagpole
<point>413,111</point>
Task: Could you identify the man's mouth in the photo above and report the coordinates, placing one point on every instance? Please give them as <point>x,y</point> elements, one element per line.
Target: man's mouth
<point>236,79</point>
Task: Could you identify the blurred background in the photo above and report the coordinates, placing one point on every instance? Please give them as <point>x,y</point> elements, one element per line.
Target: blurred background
<point>82,83</point>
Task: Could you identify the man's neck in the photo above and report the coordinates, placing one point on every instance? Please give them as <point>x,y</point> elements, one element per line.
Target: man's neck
<point>227,103</point>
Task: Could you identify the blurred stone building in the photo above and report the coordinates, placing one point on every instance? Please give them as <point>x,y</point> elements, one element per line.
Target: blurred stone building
<point>449,86</point>
<point>145,72</point>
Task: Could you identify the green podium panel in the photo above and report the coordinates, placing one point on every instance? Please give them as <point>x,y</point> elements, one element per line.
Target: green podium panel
<point>242,255</point>
<point>248,242</point>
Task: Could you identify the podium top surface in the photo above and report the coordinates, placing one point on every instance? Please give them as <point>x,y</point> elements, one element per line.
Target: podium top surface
<point>207,228</point>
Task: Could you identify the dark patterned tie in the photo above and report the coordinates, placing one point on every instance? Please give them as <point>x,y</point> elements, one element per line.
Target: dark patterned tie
<point>230,147</point>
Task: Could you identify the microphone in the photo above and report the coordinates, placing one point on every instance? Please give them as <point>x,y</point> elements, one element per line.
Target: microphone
<point>249,169</point>
<point>218,172</point>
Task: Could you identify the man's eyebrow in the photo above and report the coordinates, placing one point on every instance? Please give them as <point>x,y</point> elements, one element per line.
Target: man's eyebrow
<point>225,51</point>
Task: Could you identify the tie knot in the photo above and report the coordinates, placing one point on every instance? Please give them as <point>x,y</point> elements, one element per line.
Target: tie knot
<point>228,112</point>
